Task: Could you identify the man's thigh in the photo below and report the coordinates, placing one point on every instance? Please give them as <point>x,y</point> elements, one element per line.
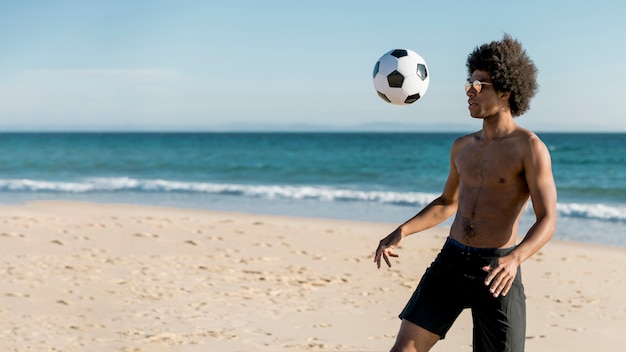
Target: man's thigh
<point>500,323</point>
<point>438,299</point>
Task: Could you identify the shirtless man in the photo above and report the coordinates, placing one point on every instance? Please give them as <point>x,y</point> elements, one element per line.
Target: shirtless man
<point>493,173</point>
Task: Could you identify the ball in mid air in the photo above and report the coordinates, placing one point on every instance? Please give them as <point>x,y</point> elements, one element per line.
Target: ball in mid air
<point>401,76</point>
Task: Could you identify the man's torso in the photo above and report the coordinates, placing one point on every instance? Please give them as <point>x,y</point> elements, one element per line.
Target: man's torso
<point>492,190</point>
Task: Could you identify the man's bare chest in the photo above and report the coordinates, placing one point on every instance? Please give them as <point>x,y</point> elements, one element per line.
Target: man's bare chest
<point>494,166</point>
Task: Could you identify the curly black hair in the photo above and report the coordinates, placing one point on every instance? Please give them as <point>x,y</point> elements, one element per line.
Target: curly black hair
<point>511,70</point>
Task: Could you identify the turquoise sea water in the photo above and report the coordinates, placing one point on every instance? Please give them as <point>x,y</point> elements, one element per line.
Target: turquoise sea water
<point>359,176</point>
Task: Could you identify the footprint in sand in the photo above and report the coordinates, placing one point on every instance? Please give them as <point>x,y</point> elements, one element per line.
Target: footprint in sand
<point>263,244</point>
<point>533,337</point>
<point>12,235</point>
<point>146,235</point>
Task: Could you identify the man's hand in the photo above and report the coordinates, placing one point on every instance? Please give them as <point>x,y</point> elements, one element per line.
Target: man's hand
<point>502,272</point>
<point>386,247</point>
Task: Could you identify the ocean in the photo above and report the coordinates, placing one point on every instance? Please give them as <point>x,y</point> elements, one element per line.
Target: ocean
<point>385,177</point>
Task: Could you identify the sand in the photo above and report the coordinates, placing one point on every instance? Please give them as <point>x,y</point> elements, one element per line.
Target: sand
<point>92,277</point>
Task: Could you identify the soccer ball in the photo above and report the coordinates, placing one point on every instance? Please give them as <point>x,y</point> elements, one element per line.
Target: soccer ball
<point>401,77</point>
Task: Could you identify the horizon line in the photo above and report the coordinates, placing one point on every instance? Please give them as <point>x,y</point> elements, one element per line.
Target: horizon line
<point>251,131</point>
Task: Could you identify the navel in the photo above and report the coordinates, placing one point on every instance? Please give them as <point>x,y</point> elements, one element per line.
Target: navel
<point>469,230</point>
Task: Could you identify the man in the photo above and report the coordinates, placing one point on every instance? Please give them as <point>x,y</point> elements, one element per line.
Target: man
<point>493,173</point>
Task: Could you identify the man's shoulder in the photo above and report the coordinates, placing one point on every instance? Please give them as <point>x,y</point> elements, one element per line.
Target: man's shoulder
<point>467,138</point>
<point>526,133</point>
<point>530,146</point>
<point>528,138</point>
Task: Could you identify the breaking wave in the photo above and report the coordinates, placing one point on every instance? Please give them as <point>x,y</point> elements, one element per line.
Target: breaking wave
<point>606,212</point>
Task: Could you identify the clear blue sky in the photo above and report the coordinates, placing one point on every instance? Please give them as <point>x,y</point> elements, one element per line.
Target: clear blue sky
<point>183,65</point>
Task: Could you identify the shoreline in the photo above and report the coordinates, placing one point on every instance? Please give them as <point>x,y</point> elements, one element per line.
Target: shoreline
<point>395,214</point>
<point>117,277</point>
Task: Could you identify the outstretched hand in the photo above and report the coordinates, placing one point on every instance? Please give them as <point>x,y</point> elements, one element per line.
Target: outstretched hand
<point>386,247</point>
<point>502,272</point>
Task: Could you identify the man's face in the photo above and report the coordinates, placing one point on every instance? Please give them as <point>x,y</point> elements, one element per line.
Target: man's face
<point>483,99</point>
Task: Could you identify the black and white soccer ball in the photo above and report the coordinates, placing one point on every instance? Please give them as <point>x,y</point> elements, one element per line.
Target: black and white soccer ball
<point>401,77</point>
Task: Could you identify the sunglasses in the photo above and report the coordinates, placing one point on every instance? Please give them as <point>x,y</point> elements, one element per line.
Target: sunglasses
<point>478,86</point>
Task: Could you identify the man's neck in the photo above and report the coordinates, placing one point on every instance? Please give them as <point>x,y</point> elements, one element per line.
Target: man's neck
<point>498,126</point>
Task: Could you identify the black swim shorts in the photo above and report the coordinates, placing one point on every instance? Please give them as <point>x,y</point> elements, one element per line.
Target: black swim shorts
<point>455,281</point>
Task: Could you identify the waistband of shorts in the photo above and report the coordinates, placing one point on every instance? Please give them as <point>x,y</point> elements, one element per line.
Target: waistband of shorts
<point>458,247</point>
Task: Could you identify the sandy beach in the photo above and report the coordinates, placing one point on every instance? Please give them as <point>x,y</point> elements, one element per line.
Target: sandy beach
<point>94,277</point>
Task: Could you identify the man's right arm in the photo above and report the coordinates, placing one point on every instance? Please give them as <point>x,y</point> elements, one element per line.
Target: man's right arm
<point>443,206</point>
<point>433,214</point>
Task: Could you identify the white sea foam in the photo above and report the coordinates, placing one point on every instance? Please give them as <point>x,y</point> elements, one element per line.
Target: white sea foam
<point>606,212</point>
<point>593,211</point>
